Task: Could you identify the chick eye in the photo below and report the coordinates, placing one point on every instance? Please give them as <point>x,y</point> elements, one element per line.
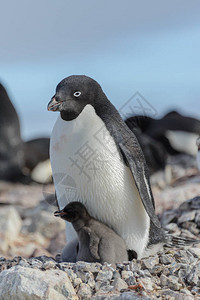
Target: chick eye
<point>77,94</point>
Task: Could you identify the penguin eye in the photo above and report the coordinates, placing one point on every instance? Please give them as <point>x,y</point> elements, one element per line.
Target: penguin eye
<point>77,94</point>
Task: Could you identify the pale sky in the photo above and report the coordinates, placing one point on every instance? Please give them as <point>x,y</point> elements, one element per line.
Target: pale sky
<point>147,46</point>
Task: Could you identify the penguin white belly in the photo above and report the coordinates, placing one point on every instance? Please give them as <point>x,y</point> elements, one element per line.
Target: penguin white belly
<point>87,167</point>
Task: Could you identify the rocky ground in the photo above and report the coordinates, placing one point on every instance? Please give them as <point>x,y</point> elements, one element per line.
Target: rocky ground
<point>33,236</point>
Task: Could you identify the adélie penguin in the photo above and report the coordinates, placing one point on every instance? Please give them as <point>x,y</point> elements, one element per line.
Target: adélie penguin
<point>96,160</point>
<point>97,242</point>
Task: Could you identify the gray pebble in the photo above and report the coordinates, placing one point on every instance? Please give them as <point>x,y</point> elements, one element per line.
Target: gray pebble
<point>150,262</point>
<point>104,275</point>
<point>119,284</point>
<point>194,275</point>
<point>49,265</point>
<point>116,275</point>
<point>170,282</point>
<point>84,291</point>
<point>126,274</point>
<point>166,259</point>
<point>76,282</point>
<point>71,274</point>
<point>131,280</point>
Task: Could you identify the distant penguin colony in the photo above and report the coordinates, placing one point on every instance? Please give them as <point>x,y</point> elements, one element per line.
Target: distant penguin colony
<point>91,144</point>
<point>97,242</point>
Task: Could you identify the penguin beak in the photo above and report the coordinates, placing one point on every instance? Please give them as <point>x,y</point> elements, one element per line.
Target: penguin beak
<point>59,213</point>
<point>53,105</point>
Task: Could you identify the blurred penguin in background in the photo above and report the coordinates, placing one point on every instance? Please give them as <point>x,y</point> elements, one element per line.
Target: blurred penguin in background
<point>20,161</point>
<point>172,135</point>
<point>11,144</point>
<point>198,152</point>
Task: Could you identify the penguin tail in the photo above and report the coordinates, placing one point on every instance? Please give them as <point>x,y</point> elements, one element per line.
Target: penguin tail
<point>178,241</point>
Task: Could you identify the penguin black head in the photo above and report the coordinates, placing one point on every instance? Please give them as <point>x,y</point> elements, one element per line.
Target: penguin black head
<point>72,94</point>
<point>73,212</point>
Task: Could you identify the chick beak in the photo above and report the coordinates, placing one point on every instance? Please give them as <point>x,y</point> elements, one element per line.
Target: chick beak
<point>59,213</point>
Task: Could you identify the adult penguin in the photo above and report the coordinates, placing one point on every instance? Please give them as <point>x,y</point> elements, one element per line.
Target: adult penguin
<point>11,144</point>
<point>93,146</point>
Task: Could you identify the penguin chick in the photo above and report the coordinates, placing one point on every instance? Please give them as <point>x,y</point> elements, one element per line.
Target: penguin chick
<point>97,242</point>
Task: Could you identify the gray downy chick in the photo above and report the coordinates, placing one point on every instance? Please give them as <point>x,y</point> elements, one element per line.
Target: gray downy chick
<point>97,242</point>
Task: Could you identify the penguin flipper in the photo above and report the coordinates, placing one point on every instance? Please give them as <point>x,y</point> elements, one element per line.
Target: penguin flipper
<point>135,160</point>
<point>94,243</point>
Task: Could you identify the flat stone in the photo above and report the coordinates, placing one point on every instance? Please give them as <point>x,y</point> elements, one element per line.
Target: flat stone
<point>134,266</point>
<point>49,265</point>
<point>126,274</point>
<point>86,267</point>
<point>146,283</point>
<point>76,282</point>
<point>27,283</point>
<point>150,262</point>
<point>71,274</point>
<point>116,275</point>
<point>193,276</point>
<point>103,286</point>
<point>131,280</point>
<point>35,263</point>
<point>175,295</point>
<point>170,281</point>
<point>163,280</point>
<point>104,275</point>
<point>144,273</point>
<point>173,283</point>
<point>129,296</point>
<point>119,284</point>
<point>156,270</point>
<point>84,291</point>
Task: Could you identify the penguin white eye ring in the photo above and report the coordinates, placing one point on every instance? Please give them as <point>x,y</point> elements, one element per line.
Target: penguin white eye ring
<point>77,94</point>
